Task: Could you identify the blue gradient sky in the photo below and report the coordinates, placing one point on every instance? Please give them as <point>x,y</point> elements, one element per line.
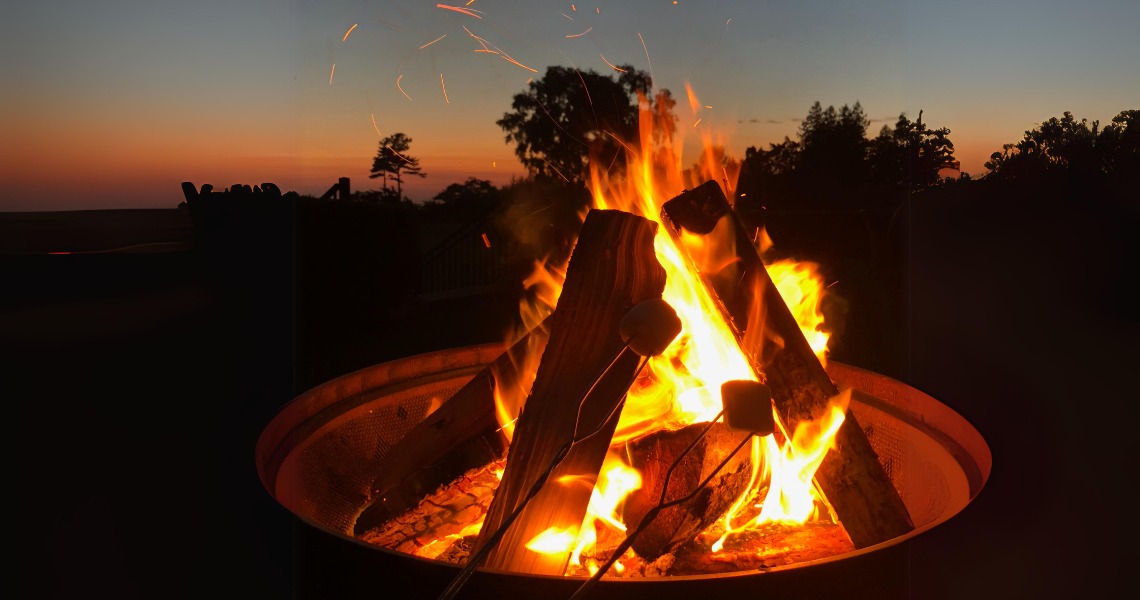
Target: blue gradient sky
<point>127,98</point>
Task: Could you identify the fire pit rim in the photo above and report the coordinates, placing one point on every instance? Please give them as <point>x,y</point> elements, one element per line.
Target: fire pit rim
<point>306,412</point>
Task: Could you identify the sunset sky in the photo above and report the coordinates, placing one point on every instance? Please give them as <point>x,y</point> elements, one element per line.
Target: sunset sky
<point>112,104</point>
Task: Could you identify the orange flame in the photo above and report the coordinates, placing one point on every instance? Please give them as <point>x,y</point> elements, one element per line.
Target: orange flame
<point>682,386</point>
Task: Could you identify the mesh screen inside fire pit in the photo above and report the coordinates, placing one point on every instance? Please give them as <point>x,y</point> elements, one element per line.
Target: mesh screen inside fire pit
<point>318,456</point>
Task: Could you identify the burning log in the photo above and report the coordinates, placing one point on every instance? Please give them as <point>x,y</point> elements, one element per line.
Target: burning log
<point>851,476</point>
<point>653,454</point>
<point>613,268</point>
<point>462,434</point>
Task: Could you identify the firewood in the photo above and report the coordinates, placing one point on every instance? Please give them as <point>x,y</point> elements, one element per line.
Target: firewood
<point>652,455</point>
<point>612,269</point>
<point>851,475</point>
<point>462,434</point>
<point>430,527</point>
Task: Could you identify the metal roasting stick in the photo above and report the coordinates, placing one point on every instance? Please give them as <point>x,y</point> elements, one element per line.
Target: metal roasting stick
<point>480,555</point>
<point>746,405</point>
<point>653,512</point>
<point>647,329</point>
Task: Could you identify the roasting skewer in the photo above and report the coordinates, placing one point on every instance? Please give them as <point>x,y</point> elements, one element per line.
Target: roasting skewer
<point>647,329</point>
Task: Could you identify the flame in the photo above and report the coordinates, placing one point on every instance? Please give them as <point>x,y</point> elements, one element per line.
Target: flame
<point>802,288</point>
<point>682,385</point>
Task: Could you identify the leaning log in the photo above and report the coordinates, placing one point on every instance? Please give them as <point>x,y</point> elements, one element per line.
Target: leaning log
<point>851,475</point>
<point>613,268</point>
<point>463,433</point>
<point>653,454</point>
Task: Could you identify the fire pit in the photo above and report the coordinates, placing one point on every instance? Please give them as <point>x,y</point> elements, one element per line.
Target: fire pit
<point>318,458</point>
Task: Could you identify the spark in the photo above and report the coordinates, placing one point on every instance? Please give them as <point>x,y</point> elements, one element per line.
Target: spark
<point>354,26</point>
<point>373,115</point>
<point>433,41</point>
<point>646,54</point>
<point>481,41</point>
<point>469,2</point>
<point>556,170</point>
<point>612,66</point>
<point>727,22</point>
<point>697,123</point>
<point>443,86</point>
<point>466,11</point>
<point>578,35</point>
<point>402,89</point>
<point>398,155</point>
<point>833,283</point>
<point>486,240</point>
<point>493,49</point>
<point>598,10</point>
<point>589,98</point>
<point>623,144</point>
<point>573,8</point>
<point>331,71</point>
<point>567,16</point>
<point>708,106</point>
<point>494,164</point>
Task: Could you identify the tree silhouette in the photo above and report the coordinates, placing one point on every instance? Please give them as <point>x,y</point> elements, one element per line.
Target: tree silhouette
<point>833,143</point>
<point>910,154</point>
<point>393,162</point>
<point>1068,145</point>
<point>567,118</point>
<point>468,200</point>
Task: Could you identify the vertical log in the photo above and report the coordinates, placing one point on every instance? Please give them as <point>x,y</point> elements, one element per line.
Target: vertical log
<point>851,476</point>
<point>613,268</point>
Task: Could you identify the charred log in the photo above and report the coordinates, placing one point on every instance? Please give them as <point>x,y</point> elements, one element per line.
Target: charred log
<point>851,476</point>
<point>613,268</point>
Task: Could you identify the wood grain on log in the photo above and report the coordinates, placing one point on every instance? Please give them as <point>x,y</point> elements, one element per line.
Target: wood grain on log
<point>851,476</point>
<point>652,456</point>
<point>613,268</point>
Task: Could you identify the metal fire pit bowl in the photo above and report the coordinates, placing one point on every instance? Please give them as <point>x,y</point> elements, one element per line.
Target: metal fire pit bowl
<point>317,459</point>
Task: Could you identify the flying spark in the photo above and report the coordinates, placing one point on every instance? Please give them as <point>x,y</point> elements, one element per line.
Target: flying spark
<point>697,123</point>
<point>556,170</point>
<point>402,89</point>
<point>646,54</point>
<point>331,71</point>
<point>354,26</point>
<point>612,66</point>
<point>443,86</point>
<point>493,49</point>
<point>459,9</point>
<point>578,35</point>
<point>373,115</point>
<point>433,41</point>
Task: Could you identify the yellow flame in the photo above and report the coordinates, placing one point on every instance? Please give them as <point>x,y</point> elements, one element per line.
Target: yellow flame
<point>792,496</point>
<point>682,385</point>
<point>802,288</point>
<point>554,541</point>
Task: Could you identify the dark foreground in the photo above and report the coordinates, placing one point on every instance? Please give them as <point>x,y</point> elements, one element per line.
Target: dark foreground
<point>141,380</point>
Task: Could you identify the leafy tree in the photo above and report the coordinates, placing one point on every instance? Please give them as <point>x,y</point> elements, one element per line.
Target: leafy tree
<point>911,153</point>
<point>778,160</point>
<point>1066,145</point>
<point>567,118</point>
<point>392,162</point>
<point>467,200</point>
<point>833,143</point>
